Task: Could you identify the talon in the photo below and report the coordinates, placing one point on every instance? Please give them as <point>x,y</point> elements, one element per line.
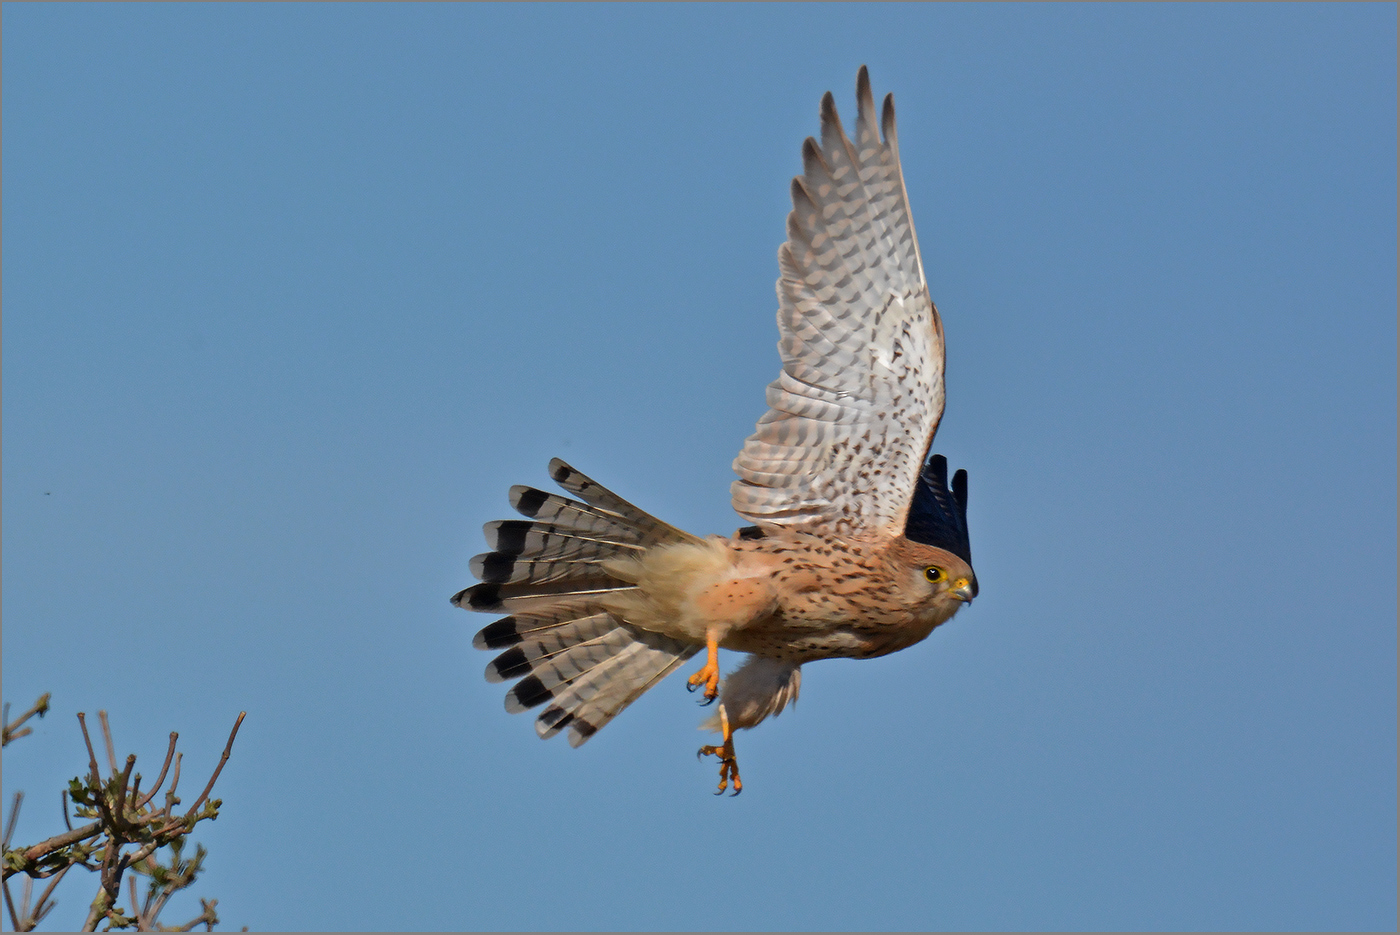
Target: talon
<point>709,672</point>
<point>708,676</point>
<point>728,765</point>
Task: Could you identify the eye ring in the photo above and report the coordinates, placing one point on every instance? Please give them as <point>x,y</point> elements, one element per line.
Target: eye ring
<point>933,574</point>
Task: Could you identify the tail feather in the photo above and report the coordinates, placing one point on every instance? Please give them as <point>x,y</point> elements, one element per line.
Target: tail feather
<point>560,640</point>
<point>527,598</point>
<point>522,659</point>
<point>519,628</point>
<point>625,684</point>
<point>550,672</point>
<point>653,530</point>
<point>570,697</point>
<point>570,515</point>
<point>519,537</point>
<point>504,568</point>
<point>596,697</point>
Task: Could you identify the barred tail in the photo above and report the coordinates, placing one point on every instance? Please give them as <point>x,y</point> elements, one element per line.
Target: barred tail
<point>548,574</point>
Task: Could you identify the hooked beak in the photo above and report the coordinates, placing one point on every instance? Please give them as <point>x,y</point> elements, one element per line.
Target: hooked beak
<point>962,590</point>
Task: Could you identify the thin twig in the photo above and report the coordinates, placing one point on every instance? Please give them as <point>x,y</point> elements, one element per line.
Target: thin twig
<point>65,810</point>
<point>39,910</point>
<point>11,729</point>
<point>169,755</point>
<point>120,810</point>
<point>92,757</point>
<point>107,737</point>
<point>102,807</point>
<point>14,816</point>
<point>135,909</point>
<point>220,768</point>
<point>9,904</point>
<point>171,799</point>
<point>208,917</point>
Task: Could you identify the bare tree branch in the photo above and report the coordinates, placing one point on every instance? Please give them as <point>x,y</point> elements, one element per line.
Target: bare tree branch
<point>12,728</point>
<point>107,737</point>
<point>208,917</point>
<point>169,755</point>
<point>120,811</point>
<point>92,757</point>
<point>128,834</point>
<point>171,799</point>
<point>136,909</point>
<point>42,907</point>
<point>220,768</point>
<point>35,855</point>
<point>14,816</point>
<point>10,905</point>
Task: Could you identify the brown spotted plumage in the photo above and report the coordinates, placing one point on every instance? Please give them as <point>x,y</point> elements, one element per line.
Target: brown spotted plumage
<point>859,545</point>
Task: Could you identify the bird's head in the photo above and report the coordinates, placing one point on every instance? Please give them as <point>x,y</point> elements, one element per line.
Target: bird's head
<point>934,577</point>
<point>934,550</point>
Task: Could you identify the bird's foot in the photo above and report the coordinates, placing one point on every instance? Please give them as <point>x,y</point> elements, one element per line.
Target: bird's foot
<point>709,673</point>
<point>728,765</point>
<point>709,677</point>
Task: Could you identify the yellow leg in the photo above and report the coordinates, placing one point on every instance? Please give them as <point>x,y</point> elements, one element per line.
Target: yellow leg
<point>728,765</point>
<point>709,674</point>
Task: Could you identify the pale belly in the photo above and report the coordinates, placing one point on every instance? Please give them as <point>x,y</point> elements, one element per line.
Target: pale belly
<point>797,639</point>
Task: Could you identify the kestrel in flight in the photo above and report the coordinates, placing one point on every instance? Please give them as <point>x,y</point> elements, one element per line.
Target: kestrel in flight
<point>857,548</point>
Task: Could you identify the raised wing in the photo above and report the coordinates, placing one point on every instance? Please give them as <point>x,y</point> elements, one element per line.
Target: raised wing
<point>853,413</point>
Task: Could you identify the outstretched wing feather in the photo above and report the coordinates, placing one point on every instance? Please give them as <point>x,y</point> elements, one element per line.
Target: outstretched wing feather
<point>854,410</point>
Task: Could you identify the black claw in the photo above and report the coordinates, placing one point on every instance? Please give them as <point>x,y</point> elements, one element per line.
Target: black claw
<point>699,753</point>
<point>690,688</point>
<point>736,792</point>
<point>720,792</point>
<point>708,701</point>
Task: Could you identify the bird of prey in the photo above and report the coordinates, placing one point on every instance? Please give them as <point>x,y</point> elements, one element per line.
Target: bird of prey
<point>857,546</point>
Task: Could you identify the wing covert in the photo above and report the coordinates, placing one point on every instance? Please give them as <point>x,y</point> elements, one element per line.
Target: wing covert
<point>853,412</point>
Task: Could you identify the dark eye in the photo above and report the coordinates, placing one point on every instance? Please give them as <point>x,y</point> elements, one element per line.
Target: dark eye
<point>934,574</point>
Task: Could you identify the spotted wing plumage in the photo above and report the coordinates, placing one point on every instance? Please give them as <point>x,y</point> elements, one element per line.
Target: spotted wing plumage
<point>853,413</point>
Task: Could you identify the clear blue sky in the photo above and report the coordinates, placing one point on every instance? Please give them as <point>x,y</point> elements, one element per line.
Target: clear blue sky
<point>293,294</point>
